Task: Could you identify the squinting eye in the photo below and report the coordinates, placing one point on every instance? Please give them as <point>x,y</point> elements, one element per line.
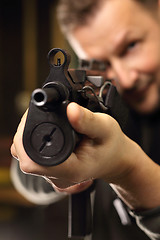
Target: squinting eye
<point>131,45</point>
<point>128,47</point>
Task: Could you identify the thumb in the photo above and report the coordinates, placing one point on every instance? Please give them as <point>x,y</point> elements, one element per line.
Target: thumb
<point>86,122</point>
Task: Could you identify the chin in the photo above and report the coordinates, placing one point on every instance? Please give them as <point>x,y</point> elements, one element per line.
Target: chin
<point>147,108</point>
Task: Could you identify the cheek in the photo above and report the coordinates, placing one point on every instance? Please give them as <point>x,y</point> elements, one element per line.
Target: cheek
<point>147,58</point>
<point>150,65</point>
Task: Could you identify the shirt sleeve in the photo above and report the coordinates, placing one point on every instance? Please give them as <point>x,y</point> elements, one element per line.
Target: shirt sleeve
<point>34,188</point>
<point>149,222</point>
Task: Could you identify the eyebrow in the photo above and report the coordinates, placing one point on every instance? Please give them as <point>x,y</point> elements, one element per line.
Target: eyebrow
<point>121,40</point>
<point>100,65</point>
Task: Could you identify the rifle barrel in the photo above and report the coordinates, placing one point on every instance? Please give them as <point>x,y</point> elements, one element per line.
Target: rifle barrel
<point>42,97</point>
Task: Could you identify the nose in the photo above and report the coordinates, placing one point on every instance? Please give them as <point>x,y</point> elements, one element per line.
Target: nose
<point>125,77</point>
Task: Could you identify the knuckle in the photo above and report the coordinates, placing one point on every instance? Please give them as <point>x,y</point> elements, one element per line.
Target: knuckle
<point>27,168</point>
<point>89,118</point>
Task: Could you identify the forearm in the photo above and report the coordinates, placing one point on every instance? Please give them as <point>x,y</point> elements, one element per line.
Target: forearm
<point>139,186</point>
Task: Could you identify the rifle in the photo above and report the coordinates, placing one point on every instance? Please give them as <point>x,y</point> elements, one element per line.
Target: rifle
<point>48,137</point>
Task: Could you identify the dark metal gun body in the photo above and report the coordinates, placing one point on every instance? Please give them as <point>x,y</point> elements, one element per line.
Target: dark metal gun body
<point>48,137</point>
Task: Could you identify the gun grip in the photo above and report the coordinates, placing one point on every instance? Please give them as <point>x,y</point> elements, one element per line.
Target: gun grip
<point>48,137</point>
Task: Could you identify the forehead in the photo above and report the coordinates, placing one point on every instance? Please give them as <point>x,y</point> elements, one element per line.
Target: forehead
<point>113,23</point>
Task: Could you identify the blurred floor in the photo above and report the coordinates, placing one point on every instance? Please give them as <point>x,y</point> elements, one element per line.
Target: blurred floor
<point>34,223</point>
<point>19,219</point>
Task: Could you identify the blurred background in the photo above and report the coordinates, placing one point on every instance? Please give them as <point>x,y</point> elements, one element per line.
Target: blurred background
<point>28,30</point>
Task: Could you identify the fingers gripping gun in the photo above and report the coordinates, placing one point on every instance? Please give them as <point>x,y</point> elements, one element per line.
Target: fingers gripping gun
<point>48,136</point>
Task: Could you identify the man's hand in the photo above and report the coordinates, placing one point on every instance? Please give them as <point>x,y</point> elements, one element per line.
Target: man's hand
<point>99,154</point>
<point>104,152</point>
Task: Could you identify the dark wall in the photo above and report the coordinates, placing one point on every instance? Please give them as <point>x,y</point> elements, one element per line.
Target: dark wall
<point>10,63</point>
<point>11,57</point>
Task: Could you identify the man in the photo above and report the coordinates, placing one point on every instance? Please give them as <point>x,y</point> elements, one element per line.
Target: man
<point>125,35</point>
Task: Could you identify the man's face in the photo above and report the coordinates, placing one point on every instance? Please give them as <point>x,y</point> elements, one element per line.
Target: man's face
<point>127,36</point>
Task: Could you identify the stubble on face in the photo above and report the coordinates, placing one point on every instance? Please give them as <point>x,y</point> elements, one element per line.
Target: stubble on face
<point>143,95</point>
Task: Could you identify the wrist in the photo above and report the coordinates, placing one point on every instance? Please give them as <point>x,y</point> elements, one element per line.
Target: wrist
<point>123,162</point>
<point>138,186</point>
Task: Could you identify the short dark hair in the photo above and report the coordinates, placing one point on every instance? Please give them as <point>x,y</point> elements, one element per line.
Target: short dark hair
<point>74,13</point>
